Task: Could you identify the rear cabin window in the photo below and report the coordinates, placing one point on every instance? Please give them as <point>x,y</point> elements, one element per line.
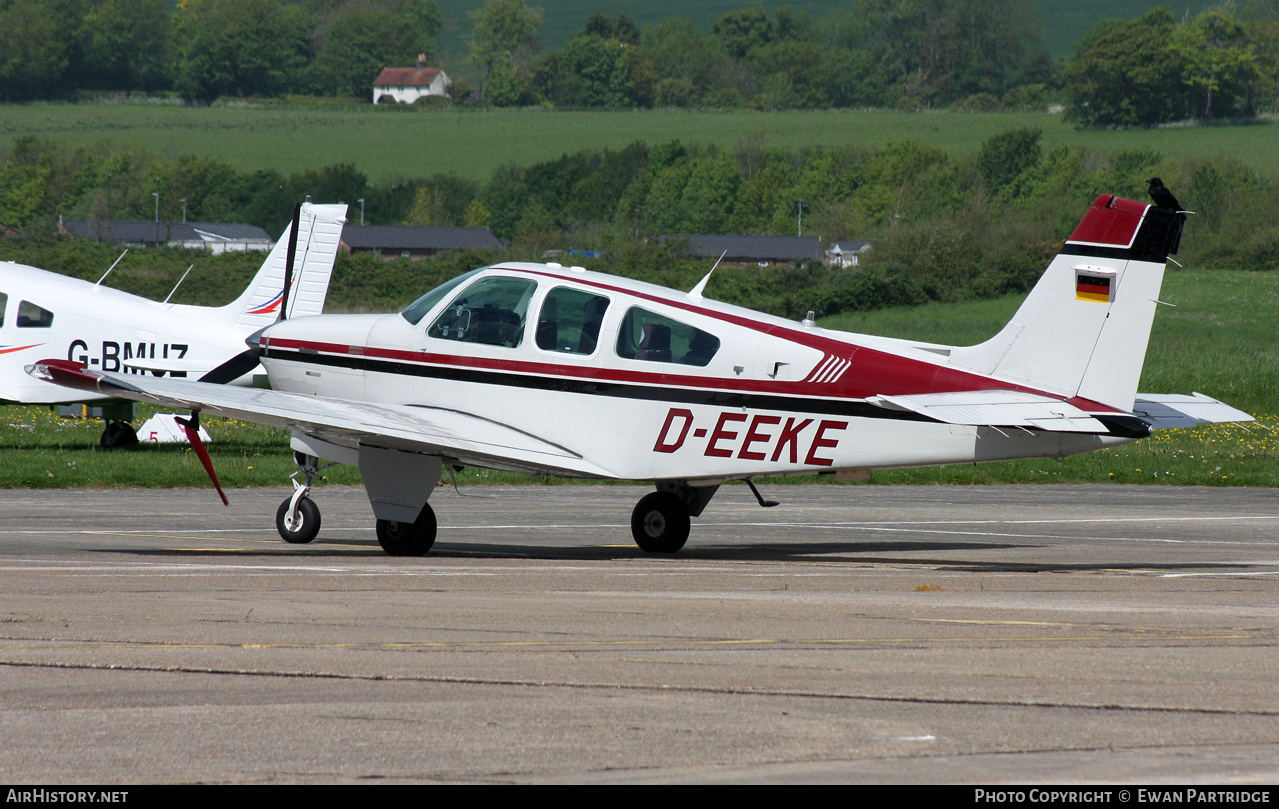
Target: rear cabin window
<point>569,322</point>
<point>651,337</point>
<point>491,311</point>
<point>31,316</point>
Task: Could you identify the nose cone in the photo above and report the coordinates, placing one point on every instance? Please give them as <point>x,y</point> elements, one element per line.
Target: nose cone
<point>321,333</point>
<point>255,340</point>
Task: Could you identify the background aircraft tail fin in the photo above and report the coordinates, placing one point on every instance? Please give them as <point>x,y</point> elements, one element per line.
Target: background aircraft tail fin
<point>1082,331</point>
<point>319,231</point>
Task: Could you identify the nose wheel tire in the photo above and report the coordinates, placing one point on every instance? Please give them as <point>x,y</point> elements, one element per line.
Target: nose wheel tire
<point>408,538</point>
<point>660,523</point>
<point>304,528</point>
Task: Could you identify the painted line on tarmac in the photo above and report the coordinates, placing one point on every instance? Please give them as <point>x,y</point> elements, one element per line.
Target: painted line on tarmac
<point>893,528</point>
<point>1090,634</point>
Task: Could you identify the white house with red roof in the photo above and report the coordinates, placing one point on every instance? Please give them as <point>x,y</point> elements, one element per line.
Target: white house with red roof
<point>404,85</point>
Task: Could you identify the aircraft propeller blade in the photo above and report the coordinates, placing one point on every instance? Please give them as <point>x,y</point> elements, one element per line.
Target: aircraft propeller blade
<point>289,259</point>
<point>234,368</point>
<point>192,428</point>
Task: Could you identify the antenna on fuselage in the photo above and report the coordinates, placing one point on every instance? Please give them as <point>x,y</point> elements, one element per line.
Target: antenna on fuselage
<point>178,284</point>
<point>696,292</point>
<point>112,267</point>
<point>288,261</point>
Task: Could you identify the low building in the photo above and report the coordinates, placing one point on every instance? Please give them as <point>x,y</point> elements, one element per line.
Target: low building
<point>846,254</point>
<point>751,250</point>
<point>406,241</point>
<point>404,85</point>
<point>214,237</point>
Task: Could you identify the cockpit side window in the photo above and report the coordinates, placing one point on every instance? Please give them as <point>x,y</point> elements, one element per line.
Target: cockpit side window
<point>570,321</point>
<point>4,304</point>
<point>651,337</point>
<point>491,311</point>
<point>31,316</point>
<point>423,305</point>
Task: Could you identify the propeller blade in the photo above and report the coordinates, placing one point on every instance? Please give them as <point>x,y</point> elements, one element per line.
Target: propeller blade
<point>234,368</point>
<point>192,428</point>
<point>289,259</point>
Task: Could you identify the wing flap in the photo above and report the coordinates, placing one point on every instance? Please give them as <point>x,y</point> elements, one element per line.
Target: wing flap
<point>469,439</point>
<point>996,408</point>
<point>1166,411</point>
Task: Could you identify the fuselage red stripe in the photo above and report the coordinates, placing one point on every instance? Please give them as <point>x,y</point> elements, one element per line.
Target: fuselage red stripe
<point>900,382</point>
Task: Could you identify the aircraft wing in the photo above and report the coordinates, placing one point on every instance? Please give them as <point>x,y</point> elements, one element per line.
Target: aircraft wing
<point>996,408</point>
<point>168,366</point>
<point>1165,411</point>
<point>461,437</point>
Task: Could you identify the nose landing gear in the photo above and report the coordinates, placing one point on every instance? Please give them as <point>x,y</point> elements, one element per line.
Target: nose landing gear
<point>298,517</point>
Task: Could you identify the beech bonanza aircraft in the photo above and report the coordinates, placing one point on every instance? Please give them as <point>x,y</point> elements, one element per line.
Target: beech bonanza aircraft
<point>546,369</point>
<point>109,330</point>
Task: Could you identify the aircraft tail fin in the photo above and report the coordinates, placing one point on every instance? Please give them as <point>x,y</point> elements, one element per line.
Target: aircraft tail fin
<point>1083,330</point>
<point>319,231</point>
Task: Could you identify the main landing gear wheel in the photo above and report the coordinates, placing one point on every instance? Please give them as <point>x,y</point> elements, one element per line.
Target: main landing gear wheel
<point>408,538</point>
<point>660,523</point>
<point>118,435</point>
<point>301,529</point>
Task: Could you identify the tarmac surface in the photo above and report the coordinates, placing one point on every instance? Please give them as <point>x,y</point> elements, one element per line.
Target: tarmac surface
<point>977,635</point>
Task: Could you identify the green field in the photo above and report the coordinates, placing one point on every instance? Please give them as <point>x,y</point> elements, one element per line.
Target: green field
<point>1218,339</point>
<point>393,143</point>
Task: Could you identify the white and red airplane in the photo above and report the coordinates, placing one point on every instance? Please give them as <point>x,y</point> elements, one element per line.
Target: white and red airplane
<point>44,314</point>
<point>552,370</point>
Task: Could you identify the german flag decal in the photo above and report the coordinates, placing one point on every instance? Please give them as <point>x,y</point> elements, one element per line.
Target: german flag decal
<point>1092,288</point>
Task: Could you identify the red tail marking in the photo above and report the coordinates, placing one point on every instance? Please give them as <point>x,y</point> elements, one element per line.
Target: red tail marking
<point>1111,221</point>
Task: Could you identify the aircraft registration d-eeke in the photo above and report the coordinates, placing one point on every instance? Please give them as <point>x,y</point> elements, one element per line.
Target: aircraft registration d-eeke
<point>108,330</point>
<point>551,370</point>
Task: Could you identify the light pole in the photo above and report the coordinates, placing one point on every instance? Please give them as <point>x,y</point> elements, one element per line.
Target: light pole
<point>361,201</point>
<point>156,194</point>
<point>800,205</point>
<point>184,209</point>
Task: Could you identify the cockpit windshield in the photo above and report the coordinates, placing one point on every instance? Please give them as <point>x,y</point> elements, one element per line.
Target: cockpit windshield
<point>420,307</point>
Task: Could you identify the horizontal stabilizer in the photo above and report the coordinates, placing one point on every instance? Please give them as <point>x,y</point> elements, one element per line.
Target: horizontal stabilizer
<point>1167,411</point>
<point>996,408</point>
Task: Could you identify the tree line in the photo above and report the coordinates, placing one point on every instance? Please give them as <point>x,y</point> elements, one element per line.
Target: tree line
<point>905,54</point>
<point>942,227</point>
<point>53,49</point>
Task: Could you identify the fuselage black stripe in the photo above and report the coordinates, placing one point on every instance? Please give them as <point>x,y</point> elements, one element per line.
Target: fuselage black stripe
<point>593,387</point>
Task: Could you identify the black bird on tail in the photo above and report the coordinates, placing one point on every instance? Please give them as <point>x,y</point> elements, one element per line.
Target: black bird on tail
<point>1162,196</point>
<point>1170,231</point>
